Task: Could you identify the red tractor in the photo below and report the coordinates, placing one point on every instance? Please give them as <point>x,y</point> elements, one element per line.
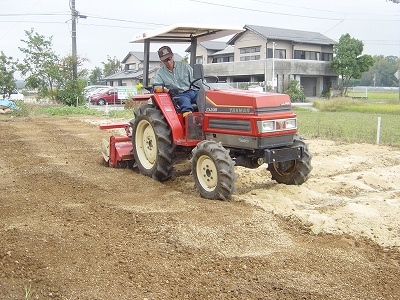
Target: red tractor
<point>229,127</point>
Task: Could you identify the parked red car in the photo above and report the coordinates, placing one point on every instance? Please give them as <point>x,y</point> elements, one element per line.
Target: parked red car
<point>109,96</point>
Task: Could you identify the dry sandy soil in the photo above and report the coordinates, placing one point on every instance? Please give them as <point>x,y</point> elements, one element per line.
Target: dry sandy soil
<point>71,228</point>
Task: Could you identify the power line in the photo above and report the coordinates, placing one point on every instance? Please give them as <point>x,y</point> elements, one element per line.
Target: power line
<point>81,24</point>
<point>316,9</point>
<point>87,15</point>
<point>23,16</point>
<point>40,14</point>
<point>39,22</point>
<point>293,6</point>
<point>122,20</point>
<point>228,6</point>
<point>264,11</point>
<point>288,14</point>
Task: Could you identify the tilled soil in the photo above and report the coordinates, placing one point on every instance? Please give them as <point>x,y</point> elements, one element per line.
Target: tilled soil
<point>71,228</point>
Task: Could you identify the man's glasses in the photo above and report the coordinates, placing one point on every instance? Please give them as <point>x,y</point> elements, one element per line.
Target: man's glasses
<point>167,59</point>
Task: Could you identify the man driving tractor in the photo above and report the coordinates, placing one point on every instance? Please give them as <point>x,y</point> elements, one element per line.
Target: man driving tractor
<point>176,76</point>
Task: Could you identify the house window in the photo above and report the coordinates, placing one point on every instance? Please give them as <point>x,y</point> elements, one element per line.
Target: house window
<point>326,56</point>
<point>222,59</point>
<point>199,59</point>
<point>279,53</point>
<point>298,54</point>
<point>250,50</point>
<point>310,55</point>
<point>252,57</point>
<point>130,67</point>
<point>307,55</point>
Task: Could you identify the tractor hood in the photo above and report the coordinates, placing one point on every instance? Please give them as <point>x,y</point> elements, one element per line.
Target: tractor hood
<point>246,102</point>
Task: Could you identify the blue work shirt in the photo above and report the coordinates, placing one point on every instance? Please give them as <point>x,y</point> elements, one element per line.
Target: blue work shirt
<point>179,78</point>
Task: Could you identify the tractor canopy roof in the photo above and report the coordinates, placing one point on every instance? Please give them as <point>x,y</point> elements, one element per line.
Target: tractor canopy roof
<point>180,33</point>
<point>185,33</point>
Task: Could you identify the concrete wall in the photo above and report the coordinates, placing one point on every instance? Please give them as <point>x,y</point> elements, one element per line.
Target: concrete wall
<point>311,73</point>
<point>257,67</point>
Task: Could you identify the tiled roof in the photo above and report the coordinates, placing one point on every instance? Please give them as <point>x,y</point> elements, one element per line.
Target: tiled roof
<point>153,56</point>
<point>131,74</point>
<point>228,50</point>
<point>211,45</point>
<point>274,33</point>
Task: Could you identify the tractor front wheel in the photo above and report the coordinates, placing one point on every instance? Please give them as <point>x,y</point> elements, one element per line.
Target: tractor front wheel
<point>213,170</point>
<point>153,149</point>
<point>294,172</point>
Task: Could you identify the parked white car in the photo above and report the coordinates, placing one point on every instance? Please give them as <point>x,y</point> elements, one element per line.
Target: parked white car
<point>15,95</point>
<point>92,89</point>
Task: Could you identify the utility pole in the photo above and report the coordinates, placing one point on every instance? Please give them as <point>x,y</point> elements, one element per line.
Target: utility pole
<point>273,65</point>
<point>74,14</point>
<point>74,52</point>
<point>265,67</point>
<point>397,74</point>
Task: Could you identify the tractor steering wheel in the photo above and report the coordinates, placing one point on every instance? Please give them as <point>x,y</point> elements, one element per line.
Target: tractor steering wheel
<point>192,84</point>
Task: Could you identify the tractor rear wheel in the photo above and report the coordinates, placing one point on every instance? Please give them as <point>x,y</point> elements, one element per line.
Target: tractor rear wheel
<point>294,172</point>
<point>213,170</point>
<point>153,148</point>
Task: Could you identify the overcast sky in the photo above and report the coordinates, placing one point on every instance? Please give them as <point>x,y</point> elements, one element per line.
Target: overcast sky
<point>110,25</point>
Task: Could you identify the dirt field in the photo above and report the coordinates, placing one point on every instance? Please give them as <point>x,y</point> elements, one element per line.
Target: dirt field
<point>71,228</point>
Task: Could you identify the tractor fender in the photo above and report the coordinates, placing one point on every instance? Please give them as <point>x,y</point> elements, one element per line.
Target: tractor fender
<point>164,103</point>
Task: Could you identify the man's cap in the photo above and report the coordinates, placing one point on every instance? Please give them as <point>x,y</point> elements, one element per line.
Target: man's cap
<point>165,52</point>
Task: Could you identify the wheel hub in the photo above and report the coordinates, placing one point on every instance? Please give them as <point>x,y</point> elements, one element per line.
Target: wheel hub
<point>148,142</point>
<point>146,145</point>
<point>207,173</point>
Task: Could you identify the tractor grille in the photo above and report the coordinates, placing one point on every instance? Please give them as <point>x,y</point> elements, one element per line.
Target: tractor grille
<point>276,141</point>
<point>237,125</point>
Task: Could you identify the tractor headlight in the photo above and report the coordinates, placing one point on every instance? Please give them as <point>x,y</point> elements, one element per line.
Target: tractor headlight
<point>266,126</point>
<point>276,125</point>
<point>291,124</point>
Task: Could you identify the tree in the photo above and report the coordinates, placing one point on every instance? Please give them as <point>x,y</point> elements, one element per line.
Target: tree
<point>95,76</point>
<point>348,61</point>
<point>7,69</point>
<point>41,65</point>
<point>295,92</point>
<point>112,66</point>
<point>66,66</point>
<point>70,90</point>
<point>186,58</point>
<point>381,73</point>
